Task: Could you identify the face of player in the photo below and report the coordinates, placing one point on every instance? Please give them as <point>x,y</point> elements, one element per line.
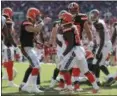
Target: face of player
<point>73,12</point>
<point>36,19</point>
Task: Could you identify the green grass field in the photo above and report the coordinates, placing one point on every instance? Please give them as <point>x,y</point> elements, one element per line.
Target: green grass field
<point>46,74</point>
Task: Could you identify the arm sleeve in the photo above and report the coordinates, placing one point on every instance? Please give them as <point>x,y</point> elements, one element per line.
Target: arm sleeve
<point>102,37</point>
<point>114,36</point>
<point>69,37</point>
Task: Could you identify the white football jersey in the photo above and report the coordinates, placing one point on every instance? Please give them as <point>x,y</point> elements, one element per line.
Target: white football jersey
<point>106,31</point>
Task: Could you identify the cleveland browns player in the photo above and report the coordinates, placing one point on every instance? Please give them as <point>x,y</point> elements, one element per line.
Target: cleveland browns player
<point>8,44</point>
<point>29,28</point>
<point>81,21</point>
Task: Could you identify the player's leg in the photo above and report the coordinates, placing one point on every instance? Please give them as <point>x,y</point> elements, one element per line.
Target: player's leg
<point>75,76</point>
<point>105,52</point>
<point>32,79</point>
<point>84,67</point>
<point>9,62</point>
<point>65,66</point>
<point>54,77</point>
<point>111,80</point>
<point>4,75</point>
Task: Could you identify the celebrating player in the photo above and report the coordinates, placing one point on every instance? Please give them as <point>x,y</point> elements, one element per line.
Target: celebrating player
<point>29,28</point>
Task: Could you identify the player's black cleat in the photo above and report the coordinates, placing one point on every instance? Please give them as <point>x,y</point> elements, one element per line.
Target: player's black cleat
<point>41,88</point>
<point>20,87</point>
<point>109,82</point>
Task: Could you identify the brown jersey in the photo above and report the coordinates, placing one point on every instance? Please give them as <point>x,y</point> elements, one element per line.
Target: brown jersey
<point>8,38</point>
<point>79,21</point>
<point>26,38</point>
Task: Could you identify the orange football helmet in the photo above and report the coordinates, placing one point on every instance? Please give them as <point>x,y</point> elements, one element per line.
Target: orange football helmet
<point>33,13</point>
<point>7,12</point>
<point>66,17</point>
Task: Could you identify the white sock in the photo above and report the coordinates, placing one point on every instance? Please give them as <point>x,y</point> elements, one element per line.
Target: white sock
<point>34,81</point>
<point>29,81</point>
<point>95,86</point>
<point>69,87</point>
<point>5,74</point>
<point>74,78</point>
<point>97,79</point>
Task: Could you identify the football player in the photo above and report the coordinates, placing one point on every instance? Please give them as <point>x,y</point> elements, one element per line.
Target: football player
<point>112,79</point>
<point>29,28</point>
<point>59,47</point>
<point>73,52</point>
<point>8,44</point>
<point>104,43</point>
<point>81,21</point>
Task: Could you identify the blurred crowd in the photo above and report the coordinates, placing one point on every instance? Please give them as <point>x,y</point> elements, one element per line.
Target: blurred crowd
<point>51,8</point>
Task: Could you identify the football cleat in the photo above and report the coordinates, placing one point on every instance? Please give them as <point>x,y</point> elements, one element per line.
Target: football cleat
<point>109,82</point>
<point>36,90</point>
<point>78,90</point>
<point>26,89</point>
<point>53,83</point>
<point>12,84</point>
<point>94,91</point>
<point>59,88</point>
<point>67,91</point>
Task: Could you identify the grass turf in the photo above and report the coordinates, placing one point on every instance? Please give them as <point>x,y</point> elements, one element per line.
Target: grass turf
<point>46,74</point>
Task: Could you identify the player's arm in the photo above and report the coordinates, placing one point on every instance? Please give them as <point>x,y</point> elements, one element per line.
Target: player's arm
<point>69,36</point>
<point>44,36</point>
<point>5,31</point>
<point>52,40</point>
<point>9,30</point>
<point>30,28</point>
<point>114,36</point>
<point>12,38</point>
<point>102,37</point>
<point>53,36</point>
<point>88,31</point>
